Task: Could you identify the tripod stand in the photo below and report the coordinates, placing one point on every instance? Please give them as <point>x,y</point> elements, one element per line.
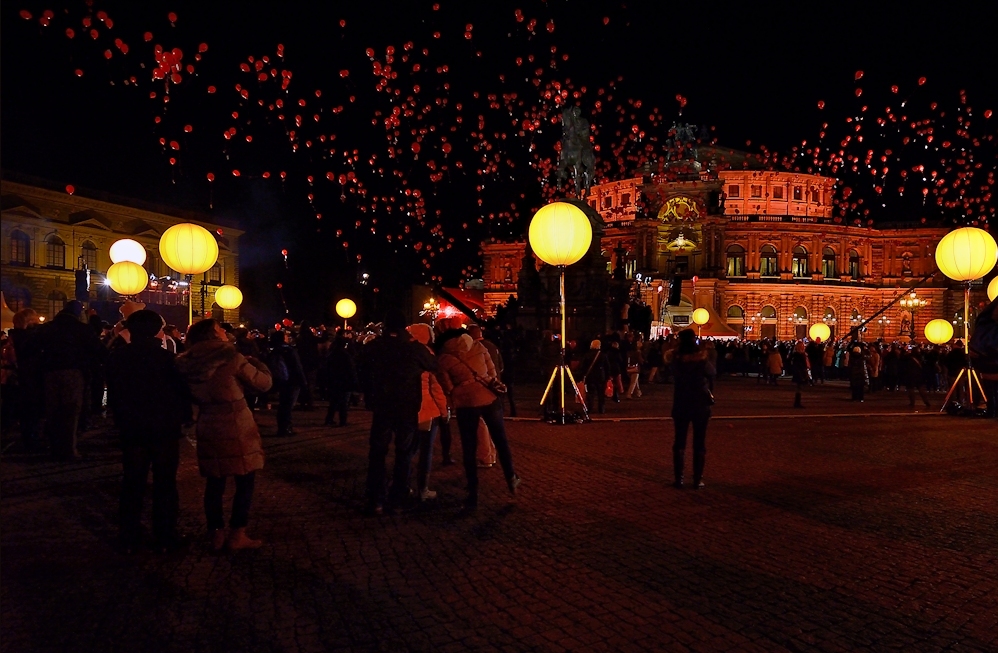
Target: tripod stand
<point>967,373</point>
<point>562,369</point>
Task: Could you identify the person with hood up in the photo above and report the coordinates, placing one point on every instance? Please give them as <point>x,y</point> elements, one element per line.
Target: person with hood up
<point>228,440</point>
<point>150,402</point>
<point>858,375</point>
<point>432,411</point>
<point>691,404</point>
<point>466,369</point>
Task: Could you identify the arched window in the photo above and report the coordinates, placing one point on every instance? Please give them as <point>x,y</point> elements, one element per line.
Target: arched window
<point>88,254</point>
<point>854,264</point>
<point>736,312</point>
<point>215,274</point>
<point>55,253</point>
<point>56,302</point>
<point>768,323</point>
<point>799,264</point>
<point>17,297</point>
<point>799,321</point>
<point>828,263</point>
<point>20,248</point>
<point>736,261</point>
<point>768,312</point>
<point>767,262</point>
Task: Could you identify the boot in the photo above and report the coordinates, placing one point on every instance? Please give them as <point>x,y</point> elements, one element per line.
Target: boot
<point>797,403</point>
<point>239,540</point>
<point>698,461</point>
<point>677,466</point>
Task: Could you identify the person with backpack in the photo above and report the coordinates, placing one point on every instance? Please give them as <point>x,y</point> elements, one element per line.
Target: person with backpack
<point>289,379</point>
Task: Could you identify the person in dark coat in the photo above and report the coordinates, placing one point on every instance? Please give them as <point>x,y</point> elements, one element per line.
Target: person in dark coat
<point>910,367</point>
<point>800,367</point>
<point>595,371</point>
<point>30,395</point>
<point>691,404</point>
<point>341,379</point>
<point>289,379</point>
<point>392,366</point>
<point>150,402</point>
<point>69,352</point>
<point>307,348</point>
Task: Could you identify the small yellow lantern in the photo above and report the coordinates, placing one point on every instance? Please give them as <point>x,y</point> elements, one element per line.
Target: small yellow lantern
<point>966,254</point>
<point>127,278</point>
<point>228,297</point>
<point>127,249</point>
<point>560,233</point>
<point>993,290</point>
<point>938,331</point>
<point>188,248</point>
<point>819,332</point>
<point>346,308</point>
<point>701,316</point>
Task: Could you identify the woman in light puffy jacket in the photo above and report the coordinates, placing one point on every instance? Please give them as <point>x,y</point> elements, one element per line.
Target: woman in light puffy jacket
<point>432,412</point>
<point>228,440</point>
<point>466,369</point>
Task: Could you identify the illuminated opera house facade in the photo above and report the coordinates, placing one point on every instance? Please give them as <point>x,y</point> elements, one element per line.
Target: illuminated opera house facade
<point>767,255</point>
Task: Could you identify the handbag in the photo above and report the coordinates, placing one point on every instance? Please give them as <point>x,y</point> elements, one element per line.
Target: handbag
<point>493,385</point>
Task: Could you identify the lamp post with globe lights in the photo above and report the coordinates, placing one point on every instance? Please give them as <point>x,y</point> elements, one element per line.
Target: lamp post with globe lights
<point>431,308</point>
<point>912,303</point>
<point>189,249</point>
<point>560,234</point>
<point>964,255</point>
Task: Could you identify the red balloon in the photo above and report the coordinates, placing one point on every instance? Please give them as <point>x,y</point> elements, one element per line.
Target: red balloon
<point>70,189</point>
<point>211,176</point>
<point>284,252</point>
<point>287,322</point>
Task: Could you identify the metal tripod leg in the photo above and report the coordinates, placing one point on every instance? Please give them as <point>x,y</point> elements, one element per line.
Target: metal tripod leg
<point>544,397</point>
<point>952,389</point>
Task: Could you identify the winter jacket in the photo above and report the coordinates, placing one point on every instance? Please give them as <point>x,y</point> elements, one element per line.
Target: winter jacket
<point>460,361</point>
<point>799,365</point>
<point>692,390</point>
<point>594,370</point>
<point>434,401</point>
<point>68,344</point>
<point>145,391</point>
<point>341,373</point>
<point>218,376</point>
<point>774,363</point>
<point>392,367</point>
<point>857,370</point>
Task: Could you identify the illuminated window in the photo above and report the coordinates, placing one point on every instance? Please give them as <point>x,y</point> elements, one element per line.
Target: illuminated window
<point>736,312</point>
<point>854,264</point>
<point>777,192</point>
<point>215,274</point>
<point>799,266</point>
<point>767,262</point>
<point>756,191</point>
<point>17,298</point>
<point>815,196</point>
<point>828,263</point>
<point>20,248</point>
<point>798,193</point>
<point>736,261</point>
<point>55,253</point>
<point>734,191</point>
<point>88,254</point>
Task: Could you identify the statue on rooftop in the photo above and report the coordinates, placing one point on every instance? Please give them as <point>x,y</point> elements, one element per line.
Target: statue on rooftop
<point>576,156</point>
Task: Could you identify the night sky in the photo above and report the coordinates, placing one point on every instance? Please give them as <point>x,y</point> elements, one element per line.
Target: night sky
<point>759,79</point>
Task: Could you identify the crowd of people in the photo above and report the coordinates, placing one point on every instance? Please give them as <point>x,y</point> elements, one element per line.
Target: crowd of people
<point>418,380</point>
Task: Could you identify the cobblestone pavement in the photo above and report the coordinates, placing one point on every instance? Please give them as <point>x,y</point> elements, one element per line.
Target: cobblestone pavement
<point>862,532</point>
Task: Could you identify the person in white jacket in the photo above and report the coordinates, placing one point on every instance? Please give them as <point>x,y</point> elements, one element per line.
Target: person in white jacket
<point>432,412</point>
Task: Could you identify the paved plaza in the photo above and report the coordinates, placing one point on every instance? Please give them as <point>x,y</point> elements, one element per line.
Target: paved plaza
<point>839,527</point>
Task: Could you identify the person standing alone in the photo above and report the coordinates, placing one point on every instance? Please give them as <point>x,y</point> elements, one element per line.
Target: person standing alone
<point>691,404</point>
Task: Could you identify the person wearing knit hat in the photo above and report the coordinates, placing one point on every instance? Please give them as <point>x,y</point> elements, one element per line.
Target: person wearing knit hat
<point>150,402</point>
<point>858,374</point>
<point>393,365</point>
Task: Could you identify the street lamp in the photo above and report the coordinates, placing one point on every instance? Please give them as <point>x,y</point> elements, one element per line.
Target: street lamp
<point>189,249</point>
<point>912,303</point>
<point>701,316</point>
<point>964,255</point>
<point>560,234</point>
<point>819,332</point>
<point>431,308</point>
<point>127,278</point>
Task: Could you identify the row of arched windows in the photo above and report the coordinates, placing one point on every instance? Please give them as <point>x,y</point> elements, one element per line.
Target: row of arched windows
<point>55,251</point>
<point>55,255</point>
<point>799,267</point>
